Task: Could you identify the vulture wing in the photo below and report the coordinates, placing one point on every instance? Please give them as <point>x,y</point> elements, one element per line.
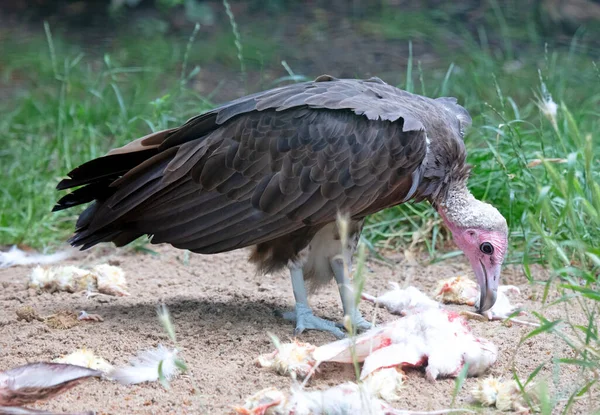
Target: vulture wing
<point>260,167</point>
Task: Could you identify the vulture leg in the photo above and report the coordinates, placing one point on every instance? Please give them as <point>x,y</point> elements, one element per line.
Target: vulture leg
<point>347,294</point>
<point>303,315</point>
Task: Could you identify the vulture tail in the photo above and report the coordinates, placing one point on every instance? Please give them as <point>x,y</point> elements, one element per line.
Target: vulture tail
<point>115,184</point>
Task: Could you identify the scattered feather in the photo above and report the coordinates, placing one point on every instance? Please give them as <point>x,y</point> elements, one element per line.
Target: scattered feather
<point>401,301</point>
<point>294,359</point>
<point>385,383</point>
<point>110,280</point>
<point>504,395</point>
<point>86,358</point>
<point>106,279</point>
<point>486,391</point>
<point>39,381</point>
<point>15,256</point>
<point>147,367</point>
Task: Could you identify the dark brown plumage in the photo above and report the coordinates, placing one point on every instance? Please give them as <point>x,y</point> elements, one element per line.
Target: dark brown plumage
<point>272,169</point>
<point>270,164</point>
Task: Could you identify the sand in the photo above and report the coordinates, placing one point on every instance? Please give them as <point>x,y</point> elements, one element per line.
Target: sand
<point>223,313</point>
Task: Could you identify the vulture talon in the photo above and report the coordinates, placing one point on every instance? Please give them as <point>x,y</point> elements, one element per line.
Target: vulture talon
<point>306,320</point>
<point>360,323</point>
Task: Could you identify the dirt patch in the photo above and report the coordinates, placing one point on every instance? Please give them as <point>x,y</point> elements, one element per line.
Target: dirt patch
<point>222,312</point>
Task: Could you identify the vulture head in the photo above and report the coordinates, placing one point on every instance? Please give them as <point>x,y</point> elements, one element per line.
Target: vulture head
<point>481,232</point>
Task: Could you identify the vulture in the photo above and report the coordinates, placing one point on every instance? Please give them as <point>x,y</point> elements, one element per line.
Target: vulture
<point>273,170</point>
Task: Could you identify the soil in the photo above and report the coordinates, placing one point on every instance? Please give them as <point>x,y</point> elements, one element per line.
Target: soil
<point>223,313</point>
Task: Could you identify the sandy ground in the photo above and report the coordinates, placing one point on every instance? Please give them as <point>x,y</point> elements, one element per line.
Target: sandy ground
<point>222,312</point>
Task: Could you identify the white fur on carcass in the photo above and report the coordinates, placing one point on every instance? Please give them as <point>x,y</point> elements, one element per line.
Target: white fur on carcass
<point>347,398</point>
<point>401,301</point>
<point>461,290</point>
<point>457,290</point>
<point>145,367</point>
<point>439,337</point>
<point>503,308</point>
<point>296,360</point>
<point>15,256</point>
<point>268,401</point>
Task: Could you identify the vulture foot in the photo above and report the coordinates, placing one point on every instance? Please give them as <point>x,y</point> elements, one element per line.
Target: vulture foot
<point>306,320</point>
<point>360,323</point>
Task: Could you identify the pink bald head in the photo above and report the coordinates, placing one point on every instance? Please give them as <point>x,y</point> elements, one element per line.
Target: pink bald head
<point>480,231</point>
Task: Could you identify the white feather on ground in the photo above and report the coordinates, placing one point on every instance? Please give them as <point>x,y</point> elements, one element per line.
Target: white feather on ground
<point>104,278</point>
<point>385,383</point>
<point>294,359</point>
<point>145,367</point>
<point>110,280</point>
<point>15,256</point>
<point>504,395</point>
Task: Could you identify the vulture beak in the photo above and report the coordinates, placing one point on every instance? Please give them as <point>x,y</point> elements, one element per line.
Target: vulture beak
<point>488,280</point>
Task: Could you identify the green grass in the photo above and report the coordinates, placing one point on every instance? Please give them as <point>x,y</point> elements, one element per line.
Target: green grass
<point>67,107</point>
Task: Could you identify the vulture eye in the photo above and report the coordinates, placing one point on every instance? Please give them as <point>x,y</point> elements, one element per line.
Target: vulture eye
<point>487,248</point>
